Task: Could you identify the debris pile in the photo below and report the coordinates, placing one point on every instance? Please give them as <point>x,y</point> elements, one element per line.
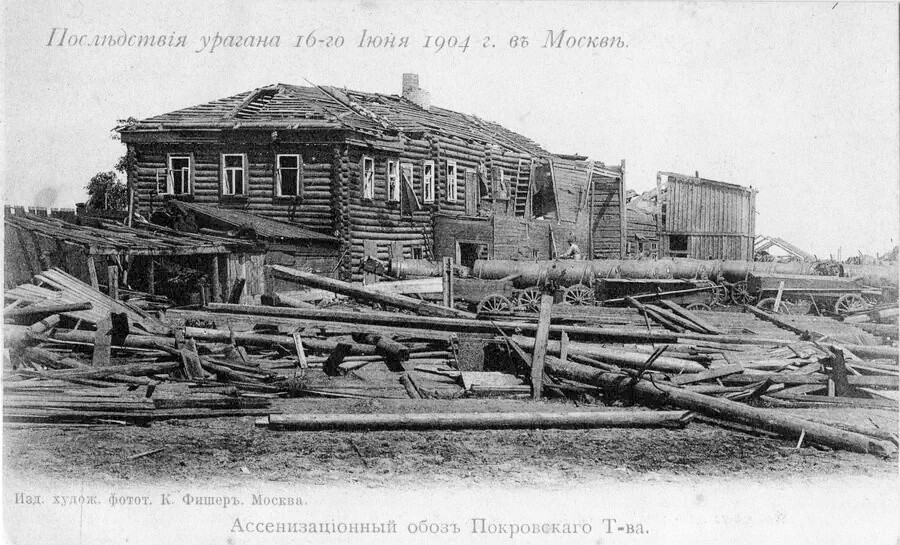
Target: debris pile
<point>82,356</point>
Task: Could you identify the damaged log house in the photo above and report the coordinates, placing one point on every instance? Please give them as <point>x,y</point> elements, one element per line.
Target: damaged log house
<point>388,176</point>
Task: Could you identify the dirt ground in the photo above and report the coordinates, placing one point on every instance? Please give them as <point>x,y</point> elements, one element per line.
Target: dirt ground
<point>233,450</point>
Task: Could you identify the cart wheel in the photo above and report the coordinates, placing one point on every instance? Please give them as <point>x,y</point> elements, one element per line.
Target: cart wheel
<point>698,306</point>
<point>740,293</point>
<point>796,308</point>
<point>579,295</point>
<point>530,298</point>
<point>852,302</point>
<point>494,303</point>
<point>720,295</point>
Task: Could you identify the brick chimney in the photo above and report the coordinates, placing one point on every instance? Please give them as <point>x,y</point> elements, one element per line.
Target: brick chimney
<point>412,92</point>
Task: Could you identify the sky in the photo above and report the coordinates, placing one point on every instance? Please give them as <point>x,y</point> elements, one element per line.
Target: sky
<point>798,100</point>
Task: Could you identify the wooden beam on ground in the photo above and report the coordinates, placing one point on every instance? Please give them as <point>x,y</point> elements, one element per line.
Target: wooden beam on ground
<point>540,347</point>
<point>789,427</point>
<point>480,421</point>
<point>723,371</point>
<point>301,353</point>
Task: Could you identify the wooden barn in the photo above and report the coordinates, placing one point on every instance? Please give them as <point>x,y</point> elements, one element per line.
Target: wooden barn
<point>704,219</point>
<point>387,175</point>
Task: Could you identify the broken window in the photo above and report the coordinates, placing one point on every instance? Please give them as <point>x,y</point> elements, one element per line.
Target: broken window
<point>428,181</point>
<point>393,186</point>
<point>451,181</point>
<point>368,178</point>
<point>234,174</point>
<point>678,245</point>
<point>288,181</point>
<point>178,175</point>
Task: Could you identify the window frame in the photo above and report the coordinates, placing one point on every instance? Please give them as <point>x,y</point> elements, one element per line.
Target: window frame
<point>368,183</point>
<point>393,181</point>
<point>279,176</point>
<point>170,175</point>
<point>452,180</point>
<point>427,182</point>
<point>245,179</point>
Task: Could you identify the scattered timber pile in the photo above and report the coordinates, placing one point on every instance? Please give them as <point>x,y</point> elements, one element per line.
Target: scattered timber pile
<point>83,356</point>
<point>77,355</point>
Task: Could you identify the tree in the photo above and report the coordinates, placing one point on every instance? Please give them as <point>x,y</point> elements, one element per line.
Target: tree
<point>107,192</point>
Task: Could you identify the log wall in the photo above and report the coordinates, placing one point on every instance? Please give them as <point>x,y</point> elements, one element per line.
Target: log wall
<point>312,210</point>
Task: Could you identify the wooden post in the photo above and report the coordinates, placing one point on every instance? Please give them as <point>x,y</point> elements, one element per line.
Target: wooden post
<point>778,296</point>
<point>113,278</point>
<point>301,354</point>
<point>216,281</point>
<point>151,277</point>
<point>540,347</point>
<point>92,272</point>
<point>563,346</point>
<point>447,281</point>
<point>102,342</point>
<point>370,249</point>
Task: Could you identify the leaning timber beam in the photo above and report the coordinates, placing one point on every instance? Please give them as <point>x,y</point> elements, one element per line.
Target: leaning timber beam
<point>363,294</point>
<point>662,394</point>
<point>476,421</point>
<point>619,357</point>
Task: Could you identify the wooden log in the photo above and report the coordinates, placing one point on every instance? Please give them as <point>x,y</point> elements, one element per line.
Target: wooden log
<point>43,325</point>
<point>685,313</point>
<point>475,421</point>
<point>707,375</point>
<point>789,427</point>
<point>540,347</point>
<point>632,334</point>
<point>301,353</point>
<point>214,335</point>
<point>345,288</point>
<point>410,388</point>
<point>40,309</point>
<point>875,352</point>
<point>622,358</point>
<point>393,351</point>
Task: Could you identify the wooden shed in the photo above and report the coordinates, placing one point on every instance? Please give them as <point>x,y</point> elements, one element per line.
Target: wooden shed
<point>140,254</point>
<point>705,219</point>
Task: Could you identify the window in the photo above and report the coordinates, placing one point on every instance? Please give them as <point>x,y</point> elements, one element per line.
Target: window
<point>393,187</point>
<point>178,175</point>
<point>428,181</point>
<point>234,174</point>
<point>368,178</point>
<point>288,181</point>
<point>451,181</point>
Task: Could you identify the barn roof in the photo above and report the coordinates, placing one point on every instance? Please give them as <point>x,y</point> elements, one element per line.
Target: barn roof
<point>104,237</point>
<point>283,106</point>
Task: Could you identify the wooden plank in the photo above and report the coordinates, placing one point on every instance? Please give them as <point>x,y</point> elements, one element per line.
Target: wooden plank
<point>563,346</point>
<point>112,273</point>
<point>92,272</point>
<point>102,343</point>
<point>216,281</point>
<point>540,347</point>
<point>447,281</point>
<point>778,296</point>
<point>301,353</point>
